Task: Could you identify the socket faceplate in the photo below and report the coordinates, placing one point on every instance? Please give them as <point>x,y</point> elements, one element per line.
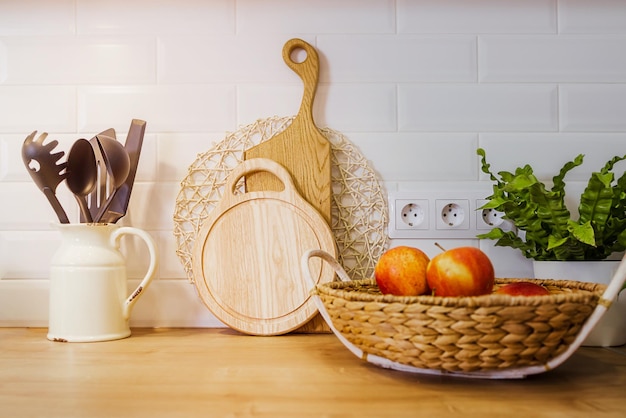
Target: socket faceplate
<point>447,210</point>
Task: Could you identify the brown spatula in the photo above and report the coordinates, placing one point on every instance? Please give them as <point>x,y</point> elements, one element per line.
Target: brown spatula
<point>300,148</point>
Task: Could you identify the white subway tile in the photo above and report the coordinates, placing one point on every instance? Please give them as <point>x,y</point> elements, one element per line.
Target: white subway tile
<point>166,108</point>
<point>170,265</point>
<point>4,62</point>
<point>561,58</point>
<point>406,58</point>
<point>163,17</point>
<point>548,152</point>
<point>358,107</point>
<point>480,16</point>
<point>48,108</point>
<point>36,17</point>
<point>260,101</point>
<point>420,157</point>
<point>321,16</point>
<point>347,107</point>
<point>176,152</point>
<point>598,16</point>
<point>151,206</point>
<point>25,207</point>
<point>213,59</point>
<point>592,107</point>
<point>27,254</point>
<point>482,107</point>
<point>78,60</point>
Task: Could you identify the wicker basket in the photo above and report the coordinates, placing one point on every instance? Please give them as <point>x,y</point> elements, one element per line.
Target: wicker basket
<point>479,336</point>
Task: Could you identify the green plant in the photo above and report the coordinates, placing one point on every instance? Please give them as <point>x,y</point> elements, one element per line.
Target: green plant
<point>550,233</point>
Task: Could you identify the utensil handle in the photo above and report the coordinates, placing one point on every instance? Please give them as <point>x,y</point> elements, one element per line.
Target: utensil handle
<point>152,249</point>
<point>84,209</point>
<point>307,70</point>
<point>105,206</point>
<point>56,205</point>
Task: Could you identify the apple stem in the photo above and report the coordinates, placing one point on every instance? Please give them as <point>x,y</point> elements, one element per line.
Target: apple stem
<point>440,247</point>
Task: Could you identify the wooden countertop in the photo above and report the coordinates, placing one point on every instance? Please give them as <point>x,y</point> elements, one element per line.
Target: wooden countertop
<point>221,373</point>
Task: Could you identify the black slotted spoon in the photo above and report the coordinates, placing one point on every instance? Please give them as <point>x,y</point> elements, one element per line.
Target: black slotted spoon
<point>43,167</point>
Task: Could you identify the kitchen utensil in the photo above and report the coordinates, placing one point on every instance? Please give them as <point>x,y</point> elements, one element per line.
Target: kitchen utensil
<point>42,166</point>
<point>82,174</point>
<point>117,164</point>
<point>301,148</point>
<point>488,336</point>
<point>89,300</point>
<point>359,206</point>
<point>134,140</point>
<point>248,251</point>
<point>98,196</point>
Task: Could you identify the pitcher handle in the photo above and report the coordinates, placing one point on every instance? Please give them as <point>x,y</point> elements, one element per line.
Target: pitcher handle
<point>152,249</point>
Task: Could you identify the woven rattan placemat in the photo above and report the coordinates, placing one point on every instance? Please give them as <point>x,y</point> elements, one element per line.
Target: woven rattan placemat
<point>359,207</point>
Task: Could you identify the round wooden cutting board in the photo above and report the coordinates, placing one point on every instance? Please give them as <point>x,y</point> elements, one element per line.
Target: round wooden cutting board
<point>248,252</point>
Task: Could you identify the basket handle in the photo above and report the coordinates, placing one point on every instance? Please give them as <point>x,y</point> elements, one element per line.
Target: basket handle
<point>306,270</point>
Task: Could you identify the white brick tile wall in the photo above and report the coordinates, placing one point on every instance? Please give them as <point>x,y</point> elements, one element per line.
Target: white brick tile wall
<point>224,59</point>
<point>417,85</point>
<point>477,107</point>
<point>563,147</point>
<point>144,16</point>
<point>321,16</point>
<point>44,108</point>
<point>358,107</point>
<point>601,16</point>
<point>425,156</point>
<point>169,108</point>
<point>593,107</point>
<point>36,17</point>
<point>405,58</point>
<point>552,58</point>
<point>478,16</point>
<point>79,60</point>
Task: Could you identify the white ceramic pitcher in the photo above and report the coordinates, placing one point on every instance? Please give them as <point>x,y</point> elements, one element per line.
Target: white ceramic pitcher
<point>89,300</point>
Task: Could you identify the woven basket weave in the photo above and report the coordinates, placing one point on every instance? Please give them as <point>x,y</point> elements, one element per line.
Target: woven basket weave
<point>465,334</point>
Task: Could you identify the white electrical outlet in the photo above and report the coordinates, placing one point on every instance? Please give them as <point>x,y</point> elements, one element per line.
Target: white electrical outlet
<point>452,214</point>
<point>412,214</point>
<point>443,210</point>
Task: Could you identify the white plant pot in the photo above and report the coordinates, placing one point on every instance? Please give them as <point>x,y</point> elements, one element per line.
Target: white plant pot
<point>611,330</point>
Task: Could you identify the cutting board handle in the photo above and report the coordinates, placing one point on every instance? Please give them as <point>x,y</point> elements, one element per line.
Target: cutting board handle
<point>307,70</point>
<point>255,165</point>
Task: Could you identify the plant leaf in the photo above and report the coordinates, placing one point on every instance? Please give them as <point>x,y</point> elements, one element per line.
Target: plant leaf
<point>558,180</point>
<point>549,233</point>
<point>582,232</point>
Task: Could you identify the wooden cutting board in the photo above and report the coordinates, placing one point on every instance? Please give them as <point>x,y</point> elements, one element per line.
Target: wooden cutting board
<point>300,148</point>
<point>247,255</point>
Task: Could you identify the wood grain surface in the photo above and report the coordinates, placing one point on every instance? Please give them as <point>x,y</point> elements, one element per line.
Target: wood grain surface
<point>222,373</point>
<point>301,148</point>
<point>248,251</point>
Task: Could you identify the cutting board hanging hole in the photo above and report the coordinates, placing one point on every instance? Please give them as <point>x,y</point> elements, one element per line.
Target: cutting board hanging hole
<point>298,55</point>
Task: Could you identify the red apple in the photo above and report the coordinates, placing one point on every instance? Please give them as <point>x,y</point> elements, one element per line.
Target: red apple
<point>401,271</point>
<point>522,289</point>
<point>462,271</point>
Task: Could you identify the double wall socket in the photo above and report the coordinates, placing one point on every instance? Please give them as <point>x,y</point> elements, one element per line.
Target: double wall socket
<point>443,211</point>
